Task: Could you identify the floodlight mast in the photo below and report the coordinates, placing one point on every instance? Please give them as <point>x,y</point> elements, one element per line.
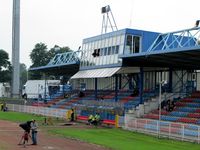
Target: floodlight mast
<point>108,20</point>
<point>15,48</point>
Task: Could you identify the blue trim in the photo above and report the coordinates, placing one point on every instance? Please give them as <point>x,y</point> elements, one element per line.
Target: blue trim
<point>183,49</point>
<point>53,66</point>
<point>177,39</point>
<point>62,59</point>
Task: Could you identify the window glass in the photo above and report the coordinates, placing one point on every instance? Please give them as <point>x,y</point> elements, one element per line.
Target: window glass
<point>129,44</point>
<point>136,44</point>
<point>101,51</point>
<point>105,51</point>
<point>109,51</point>
<point>113,49</point>
<point>117,49</point>
<point>132,44</point>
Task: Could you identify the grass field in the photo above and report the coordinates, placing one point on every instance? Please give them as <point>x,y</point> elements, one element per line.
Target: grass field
<point>18,117</point>
<point>116,139</point>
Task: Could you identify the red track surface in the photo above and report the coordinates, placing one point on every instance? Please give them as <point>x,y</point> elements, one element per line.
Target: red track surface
<point>10,135</point>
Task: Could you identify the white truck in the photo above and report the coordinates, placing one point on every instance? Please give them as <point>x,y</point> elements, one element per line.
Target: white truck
<point>36,89</point>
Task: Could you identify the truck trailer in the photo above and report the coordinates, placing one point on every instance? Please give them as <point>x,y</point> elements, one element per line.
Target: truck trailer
<point>40,89</point>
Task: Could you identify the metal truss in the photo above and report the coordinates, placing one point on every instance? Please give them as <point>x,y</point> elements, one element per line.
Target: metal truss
<point>108,20</point>
<point>176,40</point>
<point>66,58</point>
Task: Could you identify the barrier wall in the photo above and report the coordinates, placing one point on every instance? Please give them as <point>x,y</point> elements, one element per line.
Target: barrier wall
<point>45,111</point>
<point>50,112</point>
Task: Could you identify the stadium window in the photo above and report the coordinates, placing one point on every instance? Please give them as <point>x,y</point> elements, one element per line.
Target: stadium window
<point>109,51</point>
<point>101,51</point>
<point>117,49</point>
<point>113,49</point>
<point>105,51</point>
<point>98,52</point>
<point>129,44</point>
<point>136,40</point>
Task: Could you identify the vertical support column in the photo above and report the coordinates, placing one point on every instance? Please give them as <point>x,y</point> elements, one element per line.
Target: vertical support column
<point>15,48</point>
<point>170,79</point>
<point>141,84</point>
<point>155,79</point>
<point>116,88</point>
<point>120,81</point>
<point>152,81</point>
<point>95,86</point>
<point>182,82</point>
<point>196,81</point>
<point>45,86</point>
<point>130,86</point>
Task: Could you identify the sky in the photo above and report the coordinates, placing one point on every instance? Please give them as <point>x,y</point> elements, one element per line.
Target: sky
<point>68,22</point>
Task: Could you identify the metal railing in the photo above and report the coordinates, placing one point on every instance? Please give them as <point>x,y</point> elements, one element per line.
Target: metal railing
<point>51,112</point>
<point>171,130</point>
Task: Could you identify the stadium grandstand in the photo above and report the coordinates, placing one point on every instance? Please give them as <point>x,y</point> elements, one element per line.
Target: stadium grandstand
<point>146,77</point>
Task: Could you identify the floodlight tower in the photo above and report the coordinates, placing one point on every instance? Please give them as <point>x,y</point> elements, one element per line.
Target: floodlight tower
<point>15,48</point>
<point>108,20</point>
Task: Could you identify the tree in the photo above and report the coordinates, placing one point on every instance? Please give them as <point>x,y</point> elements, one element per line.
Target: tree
<point>5,67</point>
<point>56,50</point>
<point>38,55</point>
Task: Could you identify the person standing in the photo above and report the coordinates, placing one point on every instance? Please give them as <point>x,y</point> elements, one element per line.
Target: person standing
<point>34,130</point>
<point>72,115</point>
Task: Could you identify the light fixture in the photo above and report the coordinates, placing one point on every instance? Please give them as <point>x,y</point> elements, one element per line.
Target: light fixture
<point>105,9</point>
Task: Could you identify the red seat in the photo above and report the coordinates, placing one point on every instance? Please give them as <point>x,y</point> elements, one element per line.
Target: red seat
<point>82,117</point>
<point>112,122</point>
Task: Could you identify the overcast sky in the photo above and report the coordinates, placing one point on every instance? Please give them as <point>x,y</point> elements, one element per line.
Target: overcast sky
<point>67,22</point>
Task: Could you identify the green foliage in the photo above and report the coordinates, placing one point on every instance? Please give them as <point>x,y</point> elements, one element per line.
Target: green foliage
<point>4,62</point>
<point>40,56</point>
<point>5,67</point>
<point>57,50</point>
<point>124,140</point>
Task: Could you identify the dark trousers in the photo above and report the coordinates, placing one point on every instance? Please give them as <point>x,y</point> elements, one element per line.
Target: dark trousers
<point>34,137</point>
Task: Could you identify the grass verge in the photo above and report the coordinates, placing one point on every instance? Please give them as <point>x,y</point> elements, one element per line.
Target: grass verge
<point>124,140</point>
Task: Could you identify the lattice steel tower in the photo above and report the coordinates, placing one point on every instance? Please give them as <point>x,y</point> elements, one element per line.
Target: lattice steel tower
<point>108,20</point>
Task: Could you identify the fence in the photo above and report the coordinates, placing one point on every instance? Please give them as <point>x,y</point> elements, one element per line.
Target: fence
<point>51,112</point>
<point>45,111</point>
<point>171,130</point>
